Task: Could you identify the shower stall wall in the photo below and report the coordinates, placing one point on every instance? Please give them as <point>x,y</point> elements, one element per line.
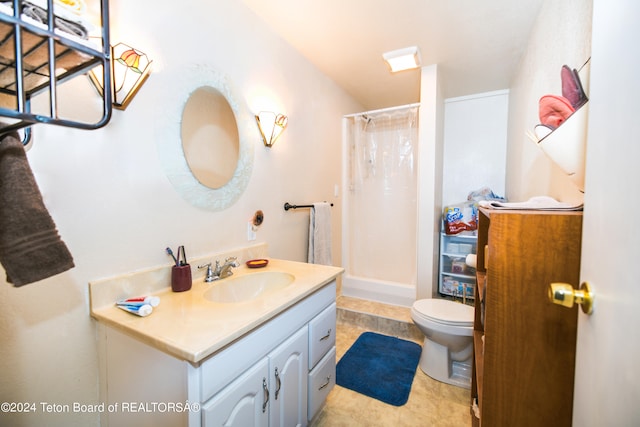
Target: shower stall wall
<point>380,208</point>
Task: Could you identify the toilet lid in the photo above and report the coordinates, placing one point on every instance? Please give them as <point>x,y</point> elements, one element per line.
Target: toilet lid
<point>445,311</point>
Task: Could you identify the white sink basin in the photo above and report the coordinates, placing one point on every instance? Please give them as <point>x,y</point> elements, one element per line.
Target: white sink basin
<point>249,286</point>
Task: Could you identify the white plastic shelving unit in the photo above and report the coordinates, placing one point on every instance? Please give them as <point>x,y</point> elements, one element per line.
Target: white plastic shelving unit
<point>456,278</point>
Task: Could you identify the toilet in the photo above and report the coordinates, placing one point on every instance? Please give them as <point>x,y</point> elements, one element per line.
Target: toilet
<point>448,344</point>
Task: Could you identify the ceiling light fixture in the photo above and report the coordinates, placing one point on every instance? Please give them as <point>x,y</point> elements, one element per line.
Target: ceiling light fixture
<point>403,59</point>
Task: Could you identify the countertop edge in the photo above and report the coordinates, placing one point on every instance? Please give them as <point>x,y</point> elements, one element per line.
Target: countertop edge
<point>131,325</point>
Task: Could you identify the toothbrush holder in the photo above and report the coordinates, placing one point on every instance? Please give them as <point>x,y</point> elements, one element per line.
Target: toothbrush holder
<point>180,278</point>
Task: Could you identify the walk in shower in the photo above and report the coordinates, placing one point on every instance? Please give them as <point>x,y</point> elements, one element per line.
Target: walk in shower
<point>380,206</point>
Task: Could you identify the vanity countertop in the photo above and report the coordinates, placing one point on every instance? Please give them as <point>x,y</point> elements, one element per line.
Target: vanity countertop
<point>189,327</point>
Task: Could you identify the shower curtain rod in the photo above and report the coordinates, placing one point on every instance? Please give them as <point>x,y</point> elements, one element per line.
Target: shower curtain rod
<point>384,110</point>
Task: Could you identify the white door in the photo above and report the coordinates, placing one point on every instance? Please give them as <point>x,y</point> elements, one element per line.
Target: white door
<point>243,403</point>
<point>607,380</point>
<point>289,372</point>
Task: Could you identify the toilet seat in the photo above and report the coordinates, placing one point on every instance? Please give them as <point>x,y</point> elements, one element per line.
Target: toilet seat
<point>444,312</point>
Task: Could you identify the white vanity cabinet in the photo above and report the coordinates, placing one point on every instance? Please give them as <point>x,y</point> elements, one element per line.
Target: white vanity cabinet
<point>236,385</point>
<point>322,358</point>
<point>288,376</point>
<point>243,403</point>
<point>271,393</point>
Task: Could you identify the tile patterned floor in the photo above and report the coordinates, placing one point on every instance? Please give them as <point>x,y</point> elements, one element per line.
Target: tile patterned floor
<point>431,402</point>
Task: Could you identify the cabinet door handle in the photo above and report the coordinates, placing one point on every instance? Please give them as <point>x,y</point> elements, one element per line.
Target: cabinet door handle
<point>278,384</point>
<point>325,384</point>
<point>326,337</point>
<point>266,395</point>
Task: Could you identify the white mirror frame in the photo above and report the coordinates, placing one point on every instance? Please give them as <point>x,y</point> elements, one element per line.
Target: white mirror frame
<point>170,145</point>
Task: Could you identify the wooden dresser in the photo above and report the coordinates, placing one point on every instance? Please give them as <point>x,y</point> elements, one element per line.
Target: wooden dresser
<point>524,346</point>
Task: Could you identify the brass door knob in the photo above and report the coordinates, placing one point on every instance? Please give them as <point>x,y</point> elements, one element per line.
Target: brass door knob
<point>564,294</point>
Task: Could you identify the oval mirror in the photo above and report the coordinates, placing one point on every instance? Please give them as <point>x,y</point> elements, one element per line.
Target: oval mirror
<point>210,138</point>
<point>204,138</point>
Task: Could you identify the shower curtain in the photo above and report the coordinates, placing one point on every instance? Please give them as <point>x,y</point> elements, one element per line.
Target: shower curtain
<point>382,208</point>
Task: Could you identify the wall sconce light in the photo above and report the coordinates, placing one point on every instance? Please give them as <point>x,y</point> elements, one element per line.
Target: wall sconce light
<point>402,59</point>
<point>271,126</point>
<point>129,69</point>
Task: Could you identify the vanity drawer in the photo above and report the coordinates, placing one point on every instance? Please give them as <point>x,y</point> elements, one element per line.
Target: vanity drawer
<point>322,379</point>
<point>322,334</point>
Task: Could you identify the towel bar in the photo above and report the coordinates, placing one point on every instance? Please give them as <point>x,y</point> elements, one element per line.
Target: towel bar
<point>288,206</point>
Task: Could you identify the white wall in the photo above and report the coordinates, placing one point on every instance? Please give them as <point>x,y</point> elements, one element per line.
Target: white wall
<point>117,211</point>
<point>430,154</point>
<point>475,145</point>
<point>561,35</point>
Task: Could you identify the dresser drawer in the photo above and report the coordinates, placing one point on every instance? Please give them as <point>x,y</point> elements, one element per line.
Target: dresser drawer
<point>322,334</point>
<point>322,379</point>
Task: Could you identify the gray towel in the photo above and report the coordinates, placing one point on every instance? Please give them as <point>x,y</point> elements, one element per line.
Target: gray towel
<point>320,234</point>
<point>30,247</point>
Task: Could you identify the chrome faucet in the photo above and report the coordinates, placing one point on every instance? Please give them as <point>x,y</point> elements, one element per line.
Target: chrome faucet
<point>225,270</point>
<point>220,271</point>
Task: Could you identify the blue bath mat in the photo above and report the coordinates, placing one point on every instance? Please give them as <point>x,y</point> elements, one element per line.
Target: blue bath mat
<point>379,366</point>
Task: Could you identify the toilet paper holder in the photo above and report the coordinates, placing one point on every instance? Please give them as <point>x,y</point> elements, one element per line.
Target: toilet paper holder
<point>565,295</point>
